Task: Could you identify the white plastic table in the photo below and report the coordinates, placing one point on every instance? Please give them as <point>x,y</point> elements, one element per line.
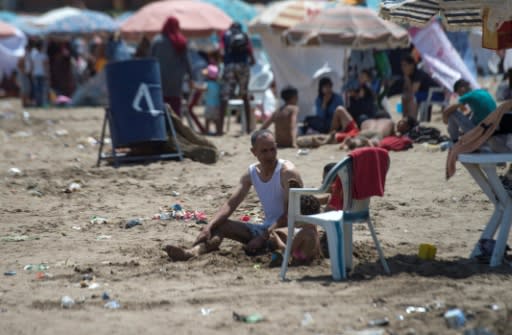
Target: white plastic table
<point>482,167</point>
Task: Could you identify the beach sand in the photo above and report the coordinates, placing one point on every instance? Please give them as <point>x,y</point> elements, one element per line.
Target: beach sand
<point>160,297</point>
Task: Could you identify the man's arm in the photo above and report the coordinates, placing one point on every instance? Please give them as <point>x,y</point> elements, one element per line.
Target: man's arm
<point>450,110</point>
<point>227,208</point>
<point>293,123</point>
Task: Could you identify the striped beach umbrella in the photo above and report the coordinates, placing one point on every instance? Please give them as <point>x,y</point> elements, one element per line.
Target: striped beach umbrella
<point>82,23</point>
<point>282,15</point>
<point>419,12</point>
<point>354,27</point>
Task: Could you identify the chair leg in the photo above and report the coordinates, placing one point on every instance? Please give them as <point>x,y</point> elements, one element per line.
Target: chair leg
<point>501,240</point>
<point>379,249</point>
<point>288,250</point>
<point>334,231</point>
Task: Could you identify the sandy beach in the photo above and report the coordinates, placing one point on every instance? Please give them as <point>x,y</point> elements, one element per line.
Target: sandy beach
<point>53,149</point>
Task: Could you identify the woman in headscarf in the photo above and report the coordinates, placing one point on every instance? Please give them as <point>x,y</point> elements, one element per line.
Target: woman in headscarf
<point>170,48</point>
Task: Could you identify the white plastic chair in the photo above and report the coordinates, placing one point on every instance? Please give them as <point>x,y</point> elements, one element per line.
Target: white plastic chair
<point>337,224</point>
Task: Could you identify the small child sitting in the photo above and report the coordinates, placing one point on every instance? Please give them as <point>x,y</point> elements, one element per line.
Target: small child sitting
<point>285,119</point>
<point>212,98</point>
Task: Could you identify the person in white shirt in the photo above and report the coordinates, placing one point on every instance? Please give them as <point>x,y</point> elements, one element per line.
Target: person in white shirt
<point>40,71</point>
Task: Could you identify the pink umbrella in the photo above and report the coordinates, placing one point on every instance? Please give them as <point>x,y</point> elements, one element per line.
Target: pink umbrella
<point>197,19</point>
<point>6,30</point>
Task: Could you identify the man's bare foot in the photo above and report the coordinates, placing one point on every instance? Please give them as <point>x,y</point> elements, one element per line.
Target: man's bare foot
<point>178,254</point>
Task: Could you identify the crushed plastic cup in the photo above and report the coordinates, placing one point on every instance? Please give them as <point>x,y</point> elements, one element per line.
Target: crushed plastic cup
<point>73,187</point>
<point>414,309</point>
<point>206,311</point>
<point>36,267</point>
<point>61,132</point>
<point>132,223</point>
<point>378,322</point>
<point>98,220</point>
<point>303,152</point>
<point>307,320</point>
<point>455,318</point>
<point>112,304</point>
<point>67,302</point>
<point>251,318</point>
<point>15,172</point>
<point>94,286</point>
<point>175,194</point>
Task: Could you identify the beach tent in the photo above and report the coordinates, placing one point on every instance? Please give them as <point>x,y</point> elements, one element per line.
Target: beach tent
<point>197,19</point>
<point>297,65</point>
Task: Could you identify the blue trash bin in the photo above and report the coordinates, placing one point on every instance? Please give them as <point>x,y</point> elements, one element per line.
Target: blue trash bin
<point>136,111</point>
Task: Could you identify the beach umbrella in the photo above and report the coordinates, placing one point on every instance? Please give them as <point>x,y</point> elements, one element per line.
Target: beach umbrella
<point>82,23</point>
<point>282,15</point>
<point>55,15</point>
<point>197,19</point>
<point>237,10</point>
<point>420,12</point>
<point>123,17</point>
<point>348,26</point>
<point>6,30</point>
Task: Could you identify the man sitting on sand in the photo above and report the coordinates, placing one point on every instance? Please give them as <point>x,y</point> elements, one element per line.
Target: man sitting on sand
<point>285,119</point>
<point>270,177</point>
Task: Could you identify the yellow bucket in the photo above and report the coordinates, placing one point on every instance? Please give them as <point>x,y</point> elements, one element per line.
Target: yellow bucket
<point>427,252</point>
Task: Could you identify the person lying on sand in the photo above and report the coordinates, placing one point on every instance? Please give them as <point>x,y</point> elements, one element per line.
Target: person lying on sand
<point>270,177</point>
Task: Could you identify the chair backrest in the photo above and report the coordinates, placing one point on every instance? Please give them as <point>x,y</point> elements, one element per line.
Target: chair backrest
<point>345,171</point>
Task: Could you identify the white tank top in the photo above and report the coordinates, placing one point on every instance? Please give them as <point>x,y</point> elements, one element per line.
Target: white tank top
<point>271,193</point>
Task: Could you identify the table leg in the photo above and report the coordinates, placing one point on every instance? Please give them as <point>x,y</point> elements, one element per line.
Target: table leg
<point>489,230</point>
<point>505,204</point>
<point>478,175</point>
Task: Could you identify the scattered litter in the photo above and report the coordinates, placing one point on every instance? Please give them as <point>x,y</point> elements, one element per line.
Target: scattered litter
<point>455,318</point>
<point>177,212</point>
<point>307,320</point>
<point>206,311</point>
<point>18,238</point>
<point>303,152</point>
<point>35,193</point>
<point>43,275</point>
<point>112,304</point>
<point>427,252</point>
<point>103,237</point>
<point>92,141</point>
<point>94,286</point>
<point>76,228</point>
<point>494,307</point>
<point>132,223</point>
<point>105,296</point>
<point>15,172</point>
<point>252,318</point>
<point>98,220</point>
<point>257,266</point>
<point>413,309</point>
<point>366,332</point>
<point>10,273</point>
<point>26,116</point>
<point>478,331</point>
<point>400,317</point>
<point>80,147</point>
<point>22,134</point>
<point>67,302</point>
<point>175,194</point>
<point>36,267</point>
<point>245,218</point>
<point>61,132</point>
<point>73,187</point>
<point>378,322</point>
